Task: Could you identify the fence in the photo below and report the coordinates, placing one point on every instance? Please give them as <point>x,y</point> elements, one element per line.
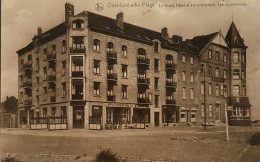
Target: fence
<point>8,120</point>
<point>50,123</point>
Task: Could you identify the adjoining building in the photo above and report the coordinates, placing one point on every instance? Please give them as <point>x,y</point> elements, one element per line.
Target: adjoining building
<point>99,72</point>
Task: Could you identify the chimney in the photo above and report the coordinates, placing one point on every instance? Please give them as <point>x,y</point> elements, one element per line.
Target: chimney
<point>120,20</point>
<point>165,34</point>
<point>69,11</point>
<point>39,32</point>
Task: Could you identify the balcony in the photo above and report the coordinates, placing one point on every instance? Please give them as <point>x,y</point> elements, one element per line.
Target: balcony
<point>171,84</point>
<point>111,97</point>
<point>51,57</point>
<point>27,101</point>
<point>217,79</point>
<point>51,78</point>
<point>170,101</point>
<point>77,73</point>
<point>171,68</point>
<point>143,100</point>
<point>27,66</point>
<point>81,49</point>
<point>52,99</point>
<point>112,57</point>
<point>112,78</point>
<point>27,84</point>
<point>143,82</point>
<point>143,61</point>
<point>77,96</point>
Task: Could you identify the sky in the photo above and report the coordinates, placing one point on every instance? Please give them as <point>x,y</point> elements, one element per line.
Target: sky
<point>21,18</point>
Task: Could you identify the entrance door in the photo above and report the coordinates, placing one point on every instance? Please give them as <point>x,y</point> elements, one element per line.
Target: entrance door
<point>156,118</point>
<point>78,117</point>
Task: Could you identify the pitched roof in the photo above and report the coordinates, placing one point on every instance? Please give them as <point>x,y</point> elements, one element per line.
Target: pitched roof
<point>233,37</point>
<point>46,36</point>
<point>239,101</point>
<point>202,40</point>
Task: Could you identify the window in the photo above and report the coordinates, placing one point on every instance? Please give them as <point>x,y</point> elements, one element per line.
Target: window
<point>217,90</point>
<point>124,51</point>
<point>21,78</point>
<point>246,112</point>
<point>53,111</point>
<point>156,64</point>
<point>96,46</point>
<point>217,72</point>
<point>44,73</point>
<point>225,74</point>
<point>225,90</point>
<point>37,64</point>
<point>156,82</point>
<point>236,74</point>
<point>156,45</point>
<point>45,90</point>
<point>191,60</point>
<point>243,74</point>
<point>183,76</point>
<point>63,72</point>
<point>243,58</point>
<point>156,100</point>
<point>192,94</point>
<point>221,90</point>
<point>44,112</point>
<point>37,80</point>
<point>202,110</point>
<point>191,77</point>
<point>243,90</point>
<point>64,46</point>
<point>77,66</point>
<point>236,90</point>
<point>109,115</point>
<point>235,57</point>
<point>183,116</point>
<point>184,93</point>
<point>45,54</point>
<point>63,111</point>
<point>63,89</point>
<point>210,54</point>
<point>110,90</point>
<point>210,111</point>
<point>169,59</point>
<point>78,45</point>
<point>225,58</point>
<point>217,55</point>
<point>38,99</point>
<point>193,116</point>
<point>96,67</point>
<point>124,71</point>
<point>77,89</point>
<point>77,24</point>
<point>53,49</point>
<point>110,47</point>
<point>96,88</point>
<point>210,71</point>
<point>202,88</point>
<point>210,89</point>
<point>124,91</point>
<point>202,69</point>
<point>183,59</point>
<point>21,94</point>
<point>21,62</point>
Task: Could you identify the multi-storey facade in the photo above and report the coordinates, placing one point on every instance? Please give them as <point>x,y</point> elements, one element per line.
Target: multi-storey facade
<point>93,69</point>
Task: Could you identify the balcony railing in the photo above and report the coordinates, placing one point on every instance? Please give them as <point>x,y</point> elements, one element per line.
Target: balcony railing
<point>170,67</point>
<point>52,99</point>
<point>77,73</point>
<point>27,101</point>
<point>112,57</point>
<point>141,60</point>
<point>170,101</point>
<point>51,57</point>
<point>112,77</point>
<point>141,80</point>
<point>51,78</point>
<point>77,96</point>
<point>27,66</point>
<point>111,97</point>
<point>171,84</point>
<point>27,84</point>
<point>78,50</point>
<point>217,79</point>
<point>143,100</point>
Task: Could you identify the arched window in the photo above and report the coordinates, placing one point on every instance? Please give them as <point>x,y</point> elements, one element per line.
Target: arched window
<point>110,46</point>
<point>169,59</point>
<point>78,24</point>
<point>96,46</point>
<point>64,46</point>
<point>29,58</point>
<point>124,50</point>
<point>141,53</point>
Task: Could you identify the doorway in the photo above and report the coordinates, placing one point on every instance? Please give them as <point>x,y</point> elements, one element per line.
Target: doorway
<point>156,119</point>
<point>78,117</point>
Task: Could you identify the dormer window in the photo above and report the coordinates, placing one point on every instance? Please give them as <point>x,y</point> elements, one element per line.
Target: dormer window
<point>96,46</point>
<point>78,24</point>
<point>110,46</point>
<point>156,44</point>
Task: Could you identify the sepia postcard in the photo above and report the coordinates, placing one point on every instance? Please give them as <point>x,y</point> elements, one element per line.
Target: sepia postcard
<point>130,80</point>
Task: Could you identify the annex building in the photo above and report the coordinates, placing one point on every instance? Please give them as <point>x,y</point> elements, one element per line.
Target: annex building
<point>95,72</point>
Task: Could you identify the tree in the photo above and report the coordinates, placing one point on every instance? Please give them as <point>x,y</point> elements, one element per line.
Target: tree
<point>11,104</point>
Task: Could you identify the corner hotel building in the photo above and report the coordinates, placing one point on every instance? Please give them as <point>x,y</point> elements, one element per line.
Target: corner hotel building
<point>93,69</point>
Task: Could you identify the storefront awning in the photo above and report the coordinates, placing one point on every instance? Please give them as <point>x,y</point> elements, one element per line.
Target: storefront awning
<point>239,102</point>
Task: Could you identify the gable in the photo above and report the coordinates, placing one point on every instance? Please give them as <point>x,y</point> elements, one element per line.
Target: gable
<point>219,40</point>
